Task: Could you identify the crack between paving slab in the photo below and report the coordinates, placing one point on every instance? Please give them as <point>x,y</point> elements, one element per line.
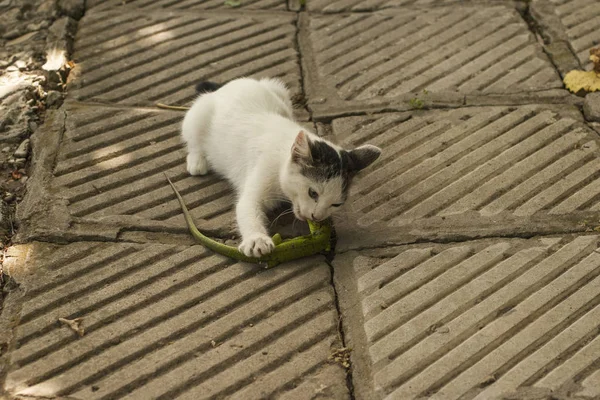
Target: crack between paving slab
<point>300,62</point>
<point>538,32</point>
<point>532,24</point>
<point>326,119</point>
<point>329,259</point>
<point>411,7</point>
<point>341,114</point>
<point>340,328</point>
<point>457,239</point>
<point>448,239</point>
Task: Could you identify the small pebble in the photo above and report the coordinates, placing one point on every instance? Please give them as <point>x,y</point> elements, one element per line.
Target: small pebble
<point>6,149</point>
<point>21,64</point>
<point>53,99</point>
<point>24,179</point>
<point>12,68</point>
<point>591,107</point>
<point>20,162</point>
<point>8,197</point>
<point>22,150</point>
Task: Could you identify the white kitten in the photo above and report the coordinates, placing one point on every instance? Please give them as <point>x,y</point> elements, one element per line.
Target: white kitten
<point>245,131</point>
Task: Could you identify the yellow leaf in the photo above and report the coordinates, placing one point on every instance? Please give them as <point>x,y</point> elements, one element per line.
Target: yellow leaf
<point>588,81</point>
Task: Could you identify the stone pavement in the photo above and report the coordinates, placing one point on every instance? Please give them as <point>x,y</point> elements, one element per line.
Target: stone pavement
<point>467,263</point>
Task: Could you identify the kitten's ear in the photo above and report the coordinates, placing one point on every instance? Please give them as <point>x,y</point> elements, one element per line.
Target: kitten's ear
<point>362,157</point>
<point>301,149</point>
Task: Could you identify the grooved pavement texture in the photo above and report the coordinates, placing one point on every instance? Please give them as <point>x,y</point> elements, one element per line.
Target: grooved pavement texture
<point>402,53</point>
<point>471,319</point>
<point>335,6</point>
<point>187,4</point>
<point>482,163</point>
<point>581,21</point>
<point>145,57</point>
<point>113,163</point>
<point>478,320</point>
<point>165,321</point>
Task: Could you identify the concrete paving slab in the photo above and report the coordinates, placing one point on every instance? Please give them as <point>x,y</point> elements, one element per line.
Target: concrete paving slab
<point>143,57</point>
<point>471,172</point>
<point>478,320</point>
<point>189,4</point>
<point>166,321</point>
<point>581,23</point>
<point>337,6</point>
<point>401,56</point>
<point>108,175</point>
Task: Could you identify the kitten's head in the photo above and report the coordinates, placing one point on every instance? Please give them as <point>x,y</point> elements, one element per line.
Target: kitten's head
<point>318,175</point>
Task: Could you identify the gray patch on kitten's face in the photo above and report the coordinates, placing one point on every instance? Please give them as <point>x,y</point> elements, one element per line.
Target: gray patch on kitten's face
<point>324,175</point>
<point>327,163</point>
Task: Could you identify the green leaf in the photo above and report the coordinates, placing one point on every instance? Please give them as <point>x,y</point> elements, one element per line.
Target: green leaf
<point>233,3</point>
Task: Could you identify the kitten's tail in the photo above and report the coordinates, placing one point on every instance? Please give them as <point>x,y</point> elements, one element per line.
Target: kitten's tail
<point>207,87</point>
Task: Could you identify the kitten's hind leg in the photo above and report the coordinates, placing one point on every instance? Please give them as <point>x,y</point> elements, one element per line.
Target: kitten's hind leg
<point>194,131</point>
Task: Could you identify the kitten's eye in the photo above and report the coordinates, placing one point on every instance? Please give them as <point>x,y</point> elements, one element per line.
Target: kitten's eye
<point>313,195</point>
<point>337,205</point>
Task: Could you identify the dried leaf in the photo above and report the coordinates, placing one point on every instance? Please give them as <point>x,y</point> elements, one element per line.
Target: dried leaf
<point>74,324</point>
<point>595,58</point>
<point>588,81</point>
<point>16,175</point>
<point>341,356</point>
<point>585,81</point>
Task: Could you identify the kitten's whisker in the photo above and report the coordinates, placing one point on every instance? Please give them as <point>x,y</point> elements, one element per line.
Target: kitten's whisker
<point>286,212</point>
<point>282,200</point>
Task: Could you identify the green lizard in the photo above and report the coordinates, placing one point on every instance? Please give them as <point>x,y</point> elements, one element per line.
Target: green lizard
<point>319,241</point>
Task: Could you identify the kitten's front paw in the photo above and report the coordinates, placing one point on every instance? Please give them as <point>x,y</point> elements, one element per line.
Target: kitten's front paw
<point>257,245</point>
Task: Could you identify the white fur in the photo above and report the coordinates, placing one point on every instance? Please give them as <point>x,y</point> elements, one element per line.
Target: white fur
<point>245,131</point>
